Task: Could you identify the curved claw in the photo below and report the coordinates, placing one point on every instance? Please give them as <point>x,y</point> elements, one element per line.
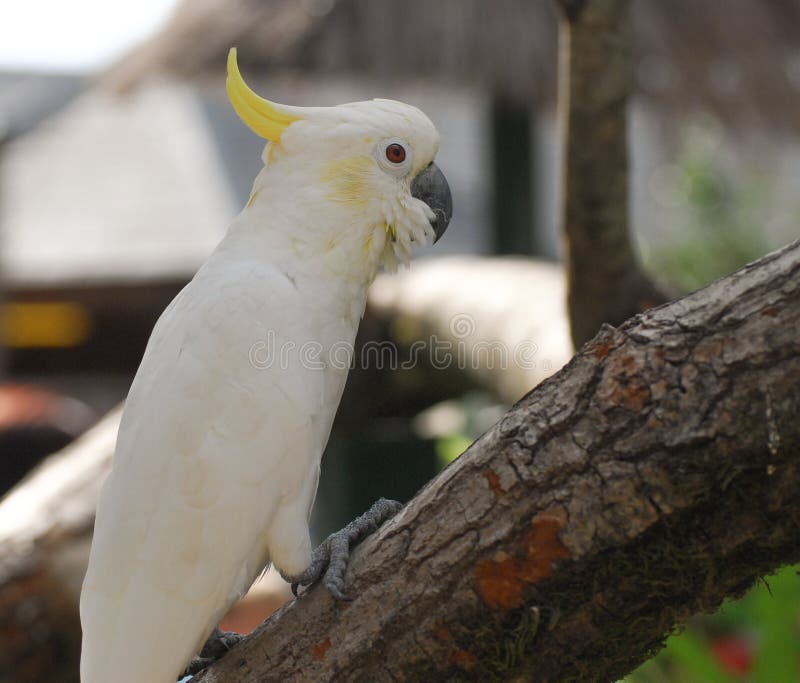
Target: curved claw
<point>217,645</point>
<point>197,665</point>
<point>329,559</point>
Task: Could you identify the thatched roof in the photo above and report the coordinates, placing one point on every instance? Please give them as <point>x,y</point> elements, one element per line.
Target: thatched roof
<point>738,57</point>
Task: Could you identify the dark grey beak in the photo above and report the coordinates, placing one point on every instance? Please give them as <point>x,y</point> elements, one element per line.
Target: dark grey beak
<point>430,186</point>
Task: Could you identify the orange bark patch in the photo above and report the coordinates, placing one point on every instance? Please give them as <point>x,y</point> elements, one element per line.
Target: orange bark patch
<point>625,364</point>
<point>634,396</point>
<point>502,578</point>
<point>494,482</point>
<point>441,631</point>
<point>621,385</point>
<point>656,357</point>
<point>707,351</point>
<point>601,350</point>
<point>463,659</point>
<point>319,651</point>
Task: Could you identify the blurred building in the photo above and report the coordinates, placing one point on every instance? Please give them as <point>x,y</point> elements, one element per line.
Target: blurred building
<point>108,207</point>
<point>691,61</point>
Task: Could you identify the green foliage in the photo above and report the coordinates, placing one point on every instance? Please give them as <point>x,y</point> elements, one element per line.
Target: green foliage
<point>449,447</point>
<point>477,411</point>
<point>765,627</point>
<point>723,216</point>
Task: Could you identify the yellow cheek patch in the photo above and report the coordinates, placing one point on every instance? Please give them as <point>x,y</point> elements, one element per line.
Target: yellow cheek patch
<point>263,117</point>
<point>349,180</point>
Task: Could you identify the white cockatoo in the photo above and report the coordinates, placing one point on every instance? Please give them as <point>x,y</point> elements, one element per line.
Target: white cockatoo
<point>218,453</point>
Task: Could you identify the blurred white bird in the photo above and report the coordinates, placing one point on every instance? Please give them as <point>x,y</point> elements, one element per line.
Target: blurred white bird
<point>218,453</point>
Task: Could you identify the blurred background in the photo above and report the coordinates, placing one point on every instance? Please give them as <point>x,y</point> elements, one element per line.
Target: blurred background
<point>121,165</point>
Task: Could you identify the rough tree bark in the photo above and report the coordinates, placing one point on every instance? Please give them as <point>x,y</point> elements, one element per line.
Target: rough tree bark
<point>605,283</point>
<point>653,476</point>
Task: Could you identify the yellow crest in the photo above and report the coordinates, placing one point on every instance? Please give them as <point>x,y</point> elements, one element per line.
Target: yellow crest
<point>263,117</point>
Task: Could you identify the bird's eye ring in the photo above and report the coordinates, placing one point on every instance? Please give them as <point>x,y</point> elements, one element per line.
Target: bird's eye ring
<point>396,153</point>
<point>394,156</point>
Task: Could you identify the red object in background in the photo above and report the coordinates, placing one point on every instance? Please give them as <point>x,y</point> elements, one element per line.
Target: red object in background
<point>267,595</point>
<point>734,653</point>
<point>34,423</point>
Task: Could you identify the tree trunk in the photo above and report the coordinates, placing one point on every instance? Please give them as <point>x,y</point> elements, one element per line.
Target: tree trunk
<point>605,282</point>
<point>653,476</point>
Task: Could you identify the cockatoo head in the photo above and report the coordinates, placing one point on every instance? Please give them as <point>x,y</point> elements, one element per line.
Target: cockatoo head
<point>366,165</point>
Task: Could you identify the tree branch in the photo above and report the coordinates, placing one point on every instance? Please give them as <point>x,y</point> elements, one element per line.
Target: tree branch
<point>653,476</point>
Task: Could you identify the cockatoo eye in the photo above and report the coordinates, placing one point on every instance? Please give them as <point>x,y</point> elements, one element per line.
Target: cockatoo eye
<point>396,153</point>
<point>394,156</point>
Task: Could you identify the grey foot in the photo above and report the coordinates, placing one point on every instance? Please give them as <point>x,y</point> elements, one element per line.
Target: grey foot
<point>329,558</point>
<point>217,645</point>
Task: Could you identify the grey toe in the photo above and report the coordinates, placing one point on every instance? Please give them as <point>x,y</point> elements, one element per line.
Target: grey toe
<point>330,558</point>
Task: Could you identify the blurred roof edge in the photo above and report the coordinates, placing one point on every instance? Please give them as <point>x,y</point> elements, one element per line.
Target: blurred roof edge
<point>27,98</point>
<point>113,190</point>
<point>743,63</point>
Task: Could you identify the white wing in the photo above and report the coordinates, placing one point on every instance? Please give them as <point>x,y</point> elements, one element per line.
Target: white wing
<point>210,447</point>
